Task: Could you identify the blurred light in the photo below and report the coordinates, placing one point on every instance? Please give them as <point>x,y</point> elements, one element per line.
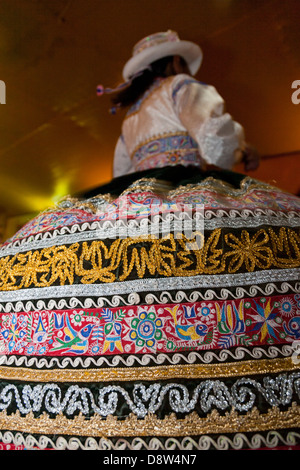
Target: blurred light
<point>62,183</point>
<point>23,197</point>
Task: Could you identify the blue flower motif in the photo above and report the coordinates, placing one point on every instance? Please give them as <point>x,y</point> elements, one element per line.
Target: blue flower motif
<point>146,329</point>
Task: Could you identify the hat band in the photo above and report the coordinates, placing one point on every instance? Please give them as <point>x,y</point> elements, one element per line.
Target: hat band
<point>154,40</point>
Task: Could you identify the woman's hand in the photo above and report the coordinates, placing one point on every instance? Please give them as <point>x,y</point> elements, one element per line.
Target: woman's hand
<point>250,158</point>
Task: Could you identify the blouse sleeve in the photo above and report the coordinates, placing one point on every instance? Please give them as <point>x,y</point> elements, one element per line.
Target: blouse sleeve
<point>122,162</point>
<point>200,108</point>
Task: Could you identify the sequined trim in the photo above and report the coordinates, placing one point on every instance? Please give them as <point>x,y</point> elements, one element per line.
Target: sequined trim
<point>247,184</point>
<point>219,200</point>
<point>145,338</point>
<point>112,229</point>
<point>150,425</point>
<point>101,261</point>
<point>191,371</point>
<point>204,286</point>
<point>141,399</point>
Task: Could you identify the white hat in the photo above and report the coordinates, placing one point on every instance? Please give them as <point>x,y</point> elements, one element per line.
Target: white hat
<point>161,45</point>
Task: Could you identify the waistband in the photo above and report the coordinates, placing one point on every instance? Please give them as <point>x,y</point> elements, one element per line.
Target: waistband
<point>168,150</point>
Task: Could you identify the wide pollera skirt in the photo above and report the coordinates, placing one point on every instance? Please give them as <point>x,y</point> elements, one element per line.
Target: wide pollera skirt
<point>160,311</point>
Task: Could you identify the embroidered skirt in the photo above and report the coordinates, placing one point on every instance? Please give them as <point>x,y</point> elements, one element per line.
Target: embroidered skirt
<point>161,311</point>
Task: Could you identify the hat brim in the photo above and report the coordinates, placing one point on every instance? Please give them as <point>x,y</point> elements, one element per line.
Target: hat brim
<point>190,51</point>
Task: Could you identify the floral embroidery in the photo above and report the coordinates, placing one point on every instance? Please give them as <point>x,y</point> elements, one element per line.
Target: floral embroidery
<point>146,330</point>
<point>231,324</point>
<point>127,338</point>
<point>267,322</point>
<point>288,306</point>
<point>250,253</point>
<point>141,256</point>
<point>142,329</point>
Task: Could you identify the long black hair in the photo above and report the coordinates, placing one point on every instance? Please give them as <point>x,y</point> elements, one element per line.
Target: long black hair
<point>142,82</point>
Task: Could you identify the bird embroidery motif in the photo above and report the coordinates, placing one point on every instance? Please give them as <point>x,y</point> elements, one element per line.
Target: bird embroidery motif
<point>187,332</point>
<point>74,341</point>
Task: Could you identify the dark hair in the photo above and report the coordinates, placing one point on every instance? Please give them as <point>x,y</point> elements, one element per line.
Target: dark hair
<point>141,83</point>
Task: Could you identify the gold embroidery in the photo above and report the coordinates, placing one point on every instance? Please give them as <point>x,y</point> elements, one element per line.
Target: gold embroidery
<point>91,205</point>
<point>191,371</point>
<point>264,250</point>
<point>39,268</point>
<point>222,187</point>
<point>165,188</point>
<point>157,186</point>
<point>251,253</point>
<point>107,261</point>
<point>191,425</point>
<point>285,245</point>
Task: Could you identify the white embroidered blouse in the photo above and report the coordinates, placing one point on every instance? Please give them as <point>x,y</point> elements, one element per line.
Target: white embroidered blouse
<point>178,121</point>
